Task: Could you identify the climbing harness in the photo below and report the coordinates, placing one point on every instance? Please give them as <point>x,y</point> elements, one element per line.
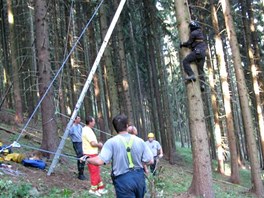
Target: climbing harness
<point>128,146</point>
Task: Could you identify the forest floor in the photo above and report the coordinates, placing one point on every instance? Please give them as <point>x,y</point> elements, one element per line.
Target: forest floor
<point>172,180</point>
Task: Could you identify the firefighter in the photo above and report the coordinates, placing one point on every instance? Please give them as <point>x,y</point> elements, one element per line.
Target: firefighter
<point>198,46</point>
<point>156,150</point>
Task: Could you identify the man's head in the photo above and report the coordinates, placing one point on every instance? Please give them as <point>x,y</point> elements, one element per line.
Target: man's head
<point>77,120</point>
<point>132,130</point>
<point>90,121</point>
<point>194,25</point>
<point>120,123</point>
<point>151,137</point>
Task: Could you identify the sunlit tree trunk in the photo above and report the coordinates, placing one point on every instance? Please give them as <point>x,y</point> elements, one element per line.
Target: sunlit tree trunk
<point>50,137</point>
<point>226,98</point>
<point>249,28</point>
<point>14,62</point>
<point>6,98</point>
<point>243,95</point>
<point>217,128</point>
<point>202,172</point>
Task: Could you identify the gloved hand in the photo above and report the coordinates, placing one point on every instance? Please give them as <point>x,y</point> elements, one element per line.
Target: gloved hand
<point>83,158</point>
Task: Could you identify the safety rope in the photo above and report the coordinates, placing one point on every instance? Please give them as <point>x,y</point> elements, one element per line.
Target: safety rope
<point>65,52</point>
<point>84,124</point>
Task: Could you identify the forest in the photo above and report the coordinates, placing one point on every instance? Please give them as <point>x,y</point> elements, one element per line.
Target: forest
<point>59,58</point>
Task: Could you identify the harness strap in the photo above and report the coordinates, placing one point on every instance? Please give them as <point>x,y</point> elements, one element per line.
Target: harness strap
<point>128,149</point>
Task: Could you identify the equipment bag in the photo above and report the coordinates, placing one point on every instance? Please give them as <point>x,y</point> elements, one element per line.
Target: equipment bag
<point>34,163</point>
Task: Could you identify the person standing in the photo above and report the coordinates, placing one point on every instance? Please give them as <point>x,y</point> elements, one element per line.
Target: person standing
<point>132,130</point>
<point>127,153</point>
<point>90,148</point>
<point>198,46</point>
<point>76,138</point>
<point>156,150</point>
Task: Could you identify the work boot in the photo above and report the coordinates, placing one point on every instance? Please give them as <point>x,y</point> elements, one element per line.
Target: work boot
<point>202,88</point>
<point>190,78</point>
<point>81,177</point>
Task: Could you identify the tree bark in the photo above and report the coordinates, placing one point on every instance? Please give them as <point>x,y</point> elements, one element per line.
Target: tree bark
<point>16,82</point>
<point>226,98</point>
<point>249,28</point>
<point>243,95</point>
<point>50,137</point>
<point>202,175</point>
<point>108,72</point>
<point>127,106</point>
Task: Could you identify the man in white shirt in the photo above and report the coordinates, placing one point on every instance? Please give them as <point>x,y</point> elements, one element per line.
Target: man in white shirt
<point>156,150</point>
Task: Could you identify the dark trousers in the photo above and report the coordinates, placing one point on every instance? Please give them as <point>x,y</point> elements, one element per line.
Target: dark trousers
<point>78,150</point>
<point>130,185</point>
<point>199,59</point>
<point>153,166</point>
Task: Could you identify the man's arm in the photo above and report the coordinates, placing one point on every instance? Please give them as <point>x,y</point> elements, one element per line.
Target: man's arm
<point>94,144</point>
<point>147,156</point>
<point>160,153</point>
<point>95,161</point>
<point>191,39</point>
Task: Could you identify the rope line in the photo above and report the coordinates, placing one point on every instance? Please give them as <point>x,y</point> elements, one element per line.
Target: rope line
<point>84,124</point>
<point>63,64</point>
<point>50,152</point>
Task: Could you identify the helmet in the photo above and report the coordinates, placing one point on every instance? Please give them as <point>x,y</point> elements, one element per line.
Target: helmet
<point>151,135</point>
<point>193,25</point>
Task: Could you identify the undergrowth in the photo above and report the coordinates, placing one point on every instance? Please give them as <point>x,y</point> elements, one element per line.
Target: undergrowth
<point>170,181</point>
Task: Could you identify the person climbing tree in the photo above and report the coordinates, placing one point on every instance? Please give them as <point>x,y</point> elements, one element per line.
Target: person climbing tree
<point>198,46</point>
<point>76,137</point>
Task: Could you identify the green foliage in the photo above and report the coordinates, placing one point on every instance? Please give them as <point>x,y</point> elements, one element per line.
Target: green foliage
<point>9,189</point>
<point>58,193</point>
<point>170,181</point>
<point>245,177</point>
<point>156,183</point>
<point>186,155</point>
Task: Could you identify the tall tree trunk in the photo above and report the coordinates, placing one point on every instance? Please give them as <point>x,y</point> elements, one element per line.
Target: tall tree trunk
<point>16,82</point>
<point>202,175</point>
<point>98,92</point>
<point>50,137</point>
<point>142,115</point>
<point>249,28</point>
<point>5,99</point>
<point>154,76</point>
<point>61,32</point>
<point>34,90</point>
<point>217,128</point>
<point>123,66</point>
<point>243,95</point>
<point>108,72</point>
<point>226,97</point>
